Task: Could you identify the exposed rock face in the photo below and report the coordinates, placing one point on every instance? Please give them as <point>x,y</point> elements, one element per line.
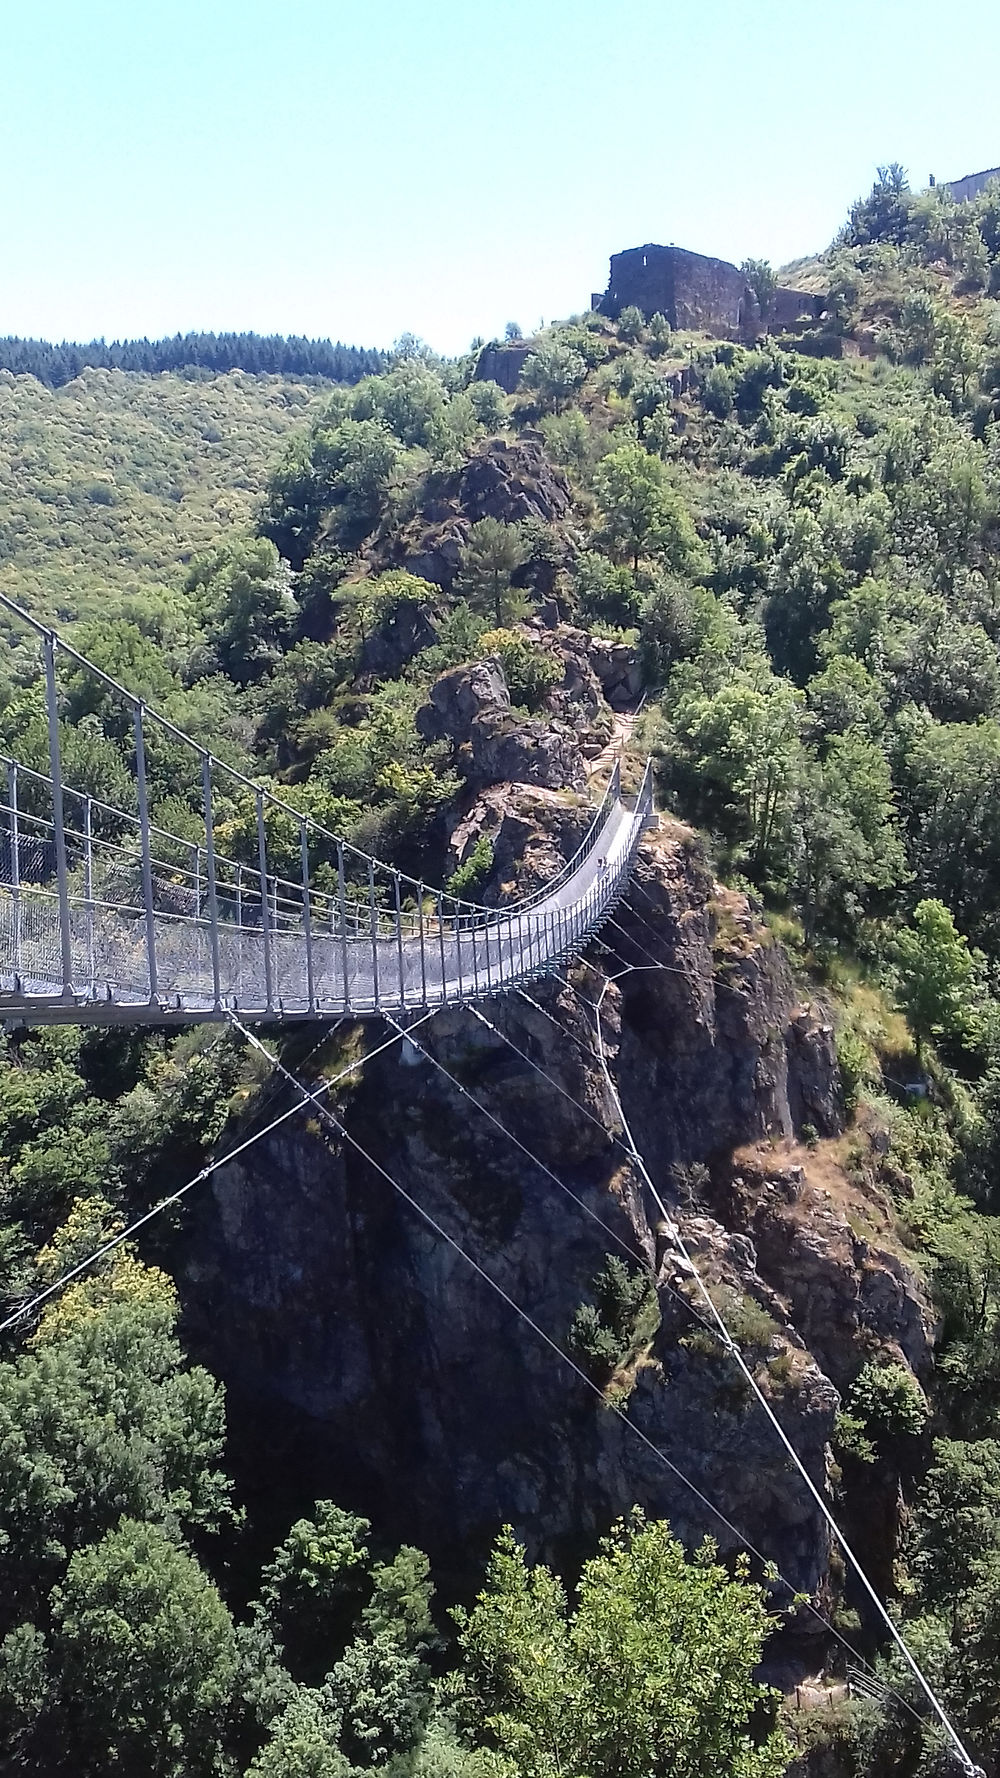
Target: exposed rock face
<point>504,480</point>
<point>578,699</point>
<point>850,1296</point>
<point>616,667</point>
<point>532,833</point>
<point>335,1314</point>
<point>502,364</point>
<point>365,1359</point>
<point>513,482</point>
<point>471,707</point>
<point>402,634</point>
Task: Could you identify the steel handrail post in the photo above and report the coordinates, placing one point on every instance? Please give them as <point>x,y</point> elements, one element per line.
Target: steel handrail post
<point>342,899</point>
<point>475,959</point>
<point>458,953</point>
<point>423,954</point>
<point>307,916</point>
<point>440,919</point>
<point>15,861</point>
<point>147,862</point>
<point>213,905</point>
<point>399,939</point>
<point>265,910</point>
<point>486,929</point>
<point>88,885</point>
<point>55,773</point>
<point>374,931</point>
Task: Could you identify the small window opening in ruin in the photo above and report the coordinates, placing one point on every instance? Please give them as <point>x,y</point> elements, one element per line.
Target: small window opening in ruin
<point>644,262</point>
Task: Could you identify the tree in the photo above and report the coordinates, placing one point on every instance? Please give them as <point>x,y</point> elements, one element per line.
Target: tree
<point>302,1741</point>
<point>312,1589</point>
<point>244,598</point>
<point>643,514</point>
<point>493,551</point>
<point>885,214</point>
<point>955,1544</point>
<point>650,1676</point>
<point>554,370</point>
<point>489,404</point>
<point>631,324</point>
<point>949,790</point>
<point>382,1690</point>
<point>935,974</point>
<point>660,334</point>
<point>100,1419</point>
<point>849,842</point>
<point>144,1657</point>
<point>530,671</point>
<point>742,744</point>
<point>763,281</point>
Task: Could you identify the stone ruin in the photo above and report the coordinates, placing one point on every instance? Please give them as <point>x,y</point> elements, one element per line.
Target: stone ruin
<point>964,190</point>
<point>696,293</point>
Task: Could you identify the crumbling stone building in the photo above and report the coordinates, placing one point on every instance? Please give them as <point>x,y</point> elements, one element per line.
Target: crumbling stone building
<point>695,292</point>
<point>962,190</point>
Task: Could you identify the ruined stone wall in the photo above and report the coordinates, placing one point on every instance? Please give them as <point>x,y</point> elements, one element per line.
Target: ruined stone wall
<point>973,183</point>
<point>502,364</point>
<point>793,305</point>
<point>690,289</point>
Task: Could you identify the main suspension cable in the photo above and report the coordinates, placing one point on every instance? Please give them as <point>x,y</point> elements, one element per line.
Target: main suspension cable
<point>722,1332</point>
<point>747,1373</point>
<point>772,1574</point>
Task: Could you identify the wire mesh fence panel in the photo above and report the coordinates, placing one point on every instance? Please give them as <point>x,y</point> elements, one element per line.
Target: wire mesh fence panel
<point>103,907</point>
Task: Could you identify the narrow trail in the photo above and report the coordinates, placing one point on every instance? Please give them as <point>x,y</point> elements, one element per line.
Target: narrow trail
<point>622,730</point>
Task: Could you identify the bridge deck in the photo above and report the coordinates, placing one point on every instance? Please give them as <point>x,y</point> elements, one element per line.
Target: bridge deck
<point>205,967</point>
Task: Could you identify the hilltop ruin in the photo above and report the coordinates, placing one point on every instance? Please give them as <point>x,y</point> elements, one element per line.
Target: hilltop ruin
<point>697,293</point>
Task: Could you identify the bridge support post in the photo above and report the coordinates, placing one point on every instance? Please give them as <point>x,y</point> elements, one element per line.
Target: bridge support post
<point>213,900</point>
<point>307,916</point>
<point>147,863</point>
<point>374,933</point>
<point>399,941</point>
<point>88,890</point>
<point>423,953</point>
<point>440,919</point>
<point>342,904</point>
<point>15,861</point>
<point>265,904</point>
<point>55,773</point>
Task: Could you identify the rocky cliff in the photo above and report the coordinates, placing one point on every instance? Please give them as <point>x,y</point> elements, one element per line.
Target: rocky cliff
<point>365,1359</point>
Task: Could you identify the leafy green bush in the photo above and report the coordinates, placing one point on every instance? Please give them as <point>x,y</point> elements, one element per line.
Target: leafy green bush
<point>883,1411</point>
<point>530,671</point>
<point>473,870</point>
<point>602,1333</point>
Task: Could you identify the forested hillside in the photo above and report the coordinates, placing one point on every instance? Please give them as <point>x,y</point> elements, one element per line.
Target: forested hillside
<point>111,483</point>
<point>216,353</point>
<point>777,569</point>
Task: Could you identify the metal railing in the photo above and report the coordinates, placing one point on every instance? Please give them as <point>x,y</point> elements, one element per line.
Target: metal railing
<point>107,914</point>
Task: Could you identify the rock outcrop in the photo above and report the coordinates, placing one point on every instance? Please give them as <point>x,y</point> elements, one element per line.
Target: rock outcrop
<point>503,479</point>
<point>470,707</point>
<point>365,1359</point>
<point>616,667</point>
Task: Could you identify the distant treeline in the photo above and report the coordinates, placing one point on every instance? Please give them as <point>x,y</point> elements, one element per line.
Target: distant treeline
<point>266,354</point>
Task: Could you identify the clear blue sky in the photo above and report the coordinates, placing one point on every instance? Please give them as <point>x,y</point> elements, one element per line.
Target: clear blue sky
<point>315,167</point>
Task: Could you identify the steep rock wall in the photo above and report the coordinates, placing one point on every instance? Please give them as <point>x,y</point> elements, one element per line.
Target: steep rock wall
<point>365,1359</point>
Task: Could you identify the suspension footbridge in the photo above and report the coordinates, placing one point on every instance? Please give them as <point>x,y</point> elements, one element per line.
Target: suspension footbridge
<point>109,915</point>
